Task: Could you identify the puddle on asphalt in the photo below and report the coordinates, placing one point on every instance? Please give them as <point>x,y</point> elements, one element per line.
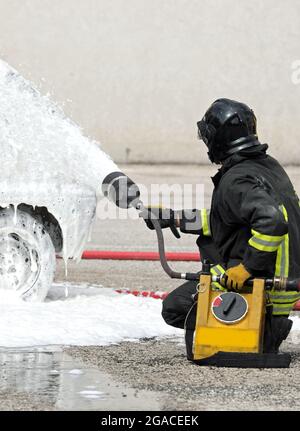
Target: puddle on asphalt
<point>67,384</point>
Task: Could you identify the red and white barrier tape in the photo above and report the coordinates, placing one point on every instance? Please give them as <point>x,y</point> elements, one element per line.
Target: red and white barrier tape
<point>144,293</point>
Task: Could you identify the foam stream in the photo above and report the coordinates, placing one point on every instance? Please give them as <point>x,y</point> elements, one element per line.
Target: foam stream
<point>47,161</point>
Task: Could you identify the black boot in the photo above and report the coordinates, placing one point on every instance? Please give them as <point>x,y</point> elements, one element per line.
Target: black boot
<point>277,328</point>
<point>282,326</point>
<point>189,326</point>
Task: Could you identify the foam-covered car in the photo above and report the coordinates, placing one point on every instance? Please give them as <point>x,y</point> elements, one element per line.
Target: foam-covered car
<point>50,178</point>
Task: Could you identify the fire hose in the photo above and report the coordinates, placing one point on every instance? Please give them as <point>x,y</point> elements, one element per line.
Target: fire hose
<point>139,255</point>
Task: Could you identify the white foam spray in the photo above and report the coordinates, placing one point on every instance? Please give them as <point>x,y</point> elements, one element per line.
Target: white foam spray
<point>47,161</point>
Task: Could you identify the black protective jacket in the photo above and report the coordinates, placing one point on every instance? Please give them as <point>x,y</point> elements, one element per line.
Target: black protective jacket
<point>255,215</point>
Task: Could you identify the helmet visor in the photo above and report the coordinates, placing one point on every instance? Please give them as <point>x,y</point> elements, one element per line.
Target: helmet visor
<point>202,131</point>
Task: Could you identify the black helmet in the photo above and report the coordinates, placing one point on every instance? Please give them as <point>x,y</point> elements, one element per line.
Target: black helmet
<point>226,128</point>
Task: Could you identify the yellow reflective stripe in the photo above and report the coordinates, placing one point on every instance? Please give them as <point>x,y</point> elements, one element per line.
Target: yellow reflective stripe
<point>282,260</point>
<point>217,270</point>
<point>268,238</point>
<point>283,302</point>
<point>205,222</point>
<point>281,312</point>
<point>283,209</point>
<point>221,269</point>
<point>286,263</point>
<point>284,297</point>
<point>278,262</point>
<point>262,247</point>
<point>286,245</point>
<point>283,308</point>
<point>263,242</point>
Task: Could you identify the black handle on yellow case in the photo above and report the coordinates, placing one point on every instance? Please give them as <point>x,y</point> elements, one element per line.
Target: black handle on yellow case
<point>229,305</point>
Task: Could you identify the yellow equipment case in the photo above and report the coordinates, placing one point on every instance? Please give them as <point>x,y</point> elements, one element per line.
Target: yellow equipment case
<point>230,327</point>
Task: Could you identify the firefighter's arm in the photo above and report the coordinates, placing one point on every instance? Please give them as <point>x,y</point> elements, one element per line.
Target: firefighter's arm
<point>193,221</point>
<point>189,221</point>
<point>253,203</point>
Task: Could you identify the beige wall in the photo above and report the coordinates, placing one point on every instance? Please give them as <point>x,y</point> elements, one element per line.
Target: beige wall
<point>140,73</point>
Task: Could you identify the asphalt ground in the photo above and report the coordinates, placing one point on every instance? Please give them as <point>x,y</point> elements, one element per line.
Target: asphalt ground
<point>160,366</point>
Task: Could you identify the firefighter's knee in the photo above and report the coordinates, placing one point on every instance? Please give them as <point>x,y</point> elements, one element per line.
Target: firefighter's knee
<point>177,304</point>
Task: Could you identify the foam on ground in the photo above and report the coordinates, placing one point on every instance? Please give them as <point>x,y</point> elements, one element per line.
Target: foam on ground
<point>80,316</point>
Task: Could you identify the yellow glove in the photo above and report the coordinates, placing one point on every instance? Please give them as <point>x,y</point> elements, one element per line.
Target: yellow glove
<point>236,277</point>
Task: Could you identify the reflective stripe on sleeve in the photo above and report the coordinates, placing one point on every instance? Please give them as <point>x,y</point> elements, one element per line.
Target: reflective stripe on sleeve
<point>282,260</point>
<point>284,297</point>
<point>283,302</point>
<point>217,270</point>
<point>205,222</point>
<point>265,242</point>
<point>265,237</point>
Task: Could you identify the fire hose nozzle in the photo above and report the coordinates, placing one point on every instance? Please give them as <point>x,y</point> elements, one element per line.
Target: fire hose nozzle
<point>121,190</point>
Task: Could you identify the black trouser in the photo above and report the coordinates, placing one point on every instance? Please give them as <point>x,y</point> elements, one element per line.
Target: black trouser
<point>179,304</point>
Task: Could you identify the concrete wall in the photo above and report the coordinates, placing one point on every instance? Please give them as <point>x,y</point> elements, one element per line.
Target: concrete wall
<point>138,74</point>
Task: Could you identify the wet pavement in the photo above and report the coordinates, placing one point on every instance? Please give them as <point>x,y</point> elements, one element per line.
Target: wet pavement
<point>161,366</point>
<point>49,379</point>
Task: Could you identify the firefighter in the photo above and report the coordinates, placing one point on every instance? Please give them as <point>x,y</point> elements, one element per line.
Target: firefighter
<point>253,226</point>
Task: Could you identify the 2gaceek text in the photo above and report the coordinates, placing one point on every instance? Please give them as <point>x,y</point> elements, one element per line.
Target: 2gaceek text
<point>155,420</point>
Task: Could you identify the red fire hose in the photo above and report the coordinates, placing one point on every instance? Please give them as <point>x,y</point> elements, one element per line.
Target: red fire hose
<point>138,255</point>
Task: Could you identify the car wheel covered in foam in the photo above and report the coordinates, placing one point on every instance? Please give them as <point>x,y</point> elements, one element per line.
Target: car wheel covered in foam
<point>27,255</point>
